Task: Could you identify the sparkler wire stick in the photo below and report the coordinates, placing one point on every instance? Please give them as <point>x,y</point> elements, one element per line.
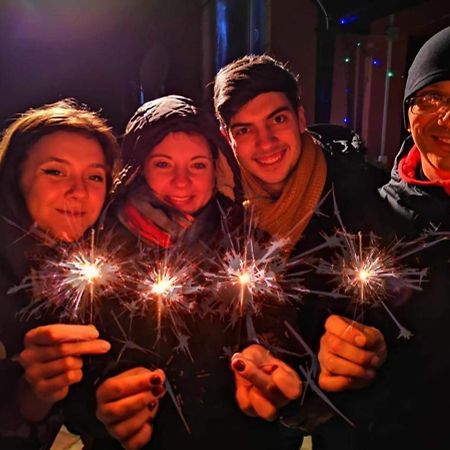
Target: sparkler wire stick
<point>312,372</point>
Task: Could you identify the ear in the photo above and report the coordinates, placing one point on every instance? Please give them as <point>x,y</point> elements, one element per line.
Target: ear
<point>301,119</point>
<point>224,132</point>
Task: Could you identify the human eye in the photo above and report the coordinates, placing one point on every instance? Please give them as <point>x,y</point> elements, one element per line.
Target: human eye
<point>430,100</point>
<point>199,165</point>
<point>97,177</point>
<point>52,172</point>
<point>280,118</point>
<point>160,164</point>
<point>241,131</point>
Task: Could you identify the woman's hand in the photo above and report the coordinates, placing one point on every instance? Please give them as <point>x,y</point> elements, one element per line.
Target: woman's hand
<point>128,403</point>
<point>264,383</point>
<point>350,354</point>
<point>52,359</point>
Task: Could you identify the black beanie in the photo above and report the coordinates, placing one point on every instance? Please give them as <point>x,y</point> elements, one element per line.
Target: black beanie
<point>431,65</point>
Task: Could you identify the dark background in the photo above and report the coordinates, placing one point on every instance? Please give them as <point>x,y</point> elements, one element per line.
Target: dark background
<point>107,52</point>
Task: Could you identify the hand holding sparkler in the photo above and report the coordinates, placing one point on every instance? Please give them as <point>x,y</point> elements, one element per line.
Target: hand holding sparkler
<point>52,359</point>
<point>127,404</point>
<point>264,383</point>
<point>349,355</point>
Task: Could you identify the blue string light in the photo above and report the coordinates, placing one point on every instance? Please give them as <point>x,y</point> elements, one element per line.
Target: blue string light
<point>346,20</point>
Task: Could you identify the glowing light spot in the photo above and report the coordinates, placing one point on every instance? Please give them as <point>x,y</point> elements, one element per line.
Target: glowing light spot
<point>363,275</point>
<point>244,278</point>
<point>162,287</point>
<point>90,272</point>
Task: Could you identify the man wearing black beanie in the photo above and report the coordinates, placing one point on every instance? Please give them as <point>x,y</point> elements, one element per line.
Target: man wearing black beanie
<point>409,403</point>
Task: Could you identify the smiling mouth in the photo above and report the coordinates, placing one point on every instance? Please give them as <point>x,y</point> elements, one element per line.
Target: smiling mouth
<point>444,140</point>
<point>71,213</point>
<point>270,159</point>
<point>179,199</point>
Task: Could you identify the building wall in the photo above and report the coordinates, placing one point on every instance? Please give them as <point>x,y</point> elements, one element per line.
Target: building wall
<point>410,28</point>
<point>293,40</point>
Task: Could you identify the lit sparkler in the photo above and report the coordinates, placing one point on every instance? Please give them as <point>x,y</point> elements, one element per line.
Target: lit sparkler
<point>369,272</point>
<point>251,273</point>
<point>71,282</point>
<point>168,285</point>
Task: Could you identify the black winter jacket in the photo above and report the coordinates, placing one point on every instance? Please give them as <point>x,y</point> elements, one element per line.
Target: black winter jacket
<point>408,405</point>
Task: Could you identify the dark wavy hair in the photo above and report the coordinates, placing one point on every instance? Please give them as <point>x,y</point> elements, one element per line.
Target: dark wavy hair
<point>245,78</point>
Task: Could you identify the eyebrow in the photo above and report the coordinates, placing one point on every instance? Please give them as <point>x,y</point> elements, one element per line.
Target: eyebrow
<point>67,163</point>
<point>160,155</point>
<point>283,108</point>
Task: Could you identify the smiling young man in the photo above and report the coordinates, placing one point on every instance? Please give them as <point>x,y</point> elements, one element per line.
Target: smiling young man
<point>288,176</point>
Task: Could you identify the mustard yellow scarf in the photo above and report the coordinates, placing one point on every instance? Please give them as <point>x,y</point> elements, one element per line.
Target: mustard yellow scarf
<point>288,215</point>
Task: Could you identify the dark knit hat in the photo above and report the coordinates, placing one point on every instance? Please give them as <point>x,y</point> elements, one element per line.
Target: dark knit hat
<point>431,65</point>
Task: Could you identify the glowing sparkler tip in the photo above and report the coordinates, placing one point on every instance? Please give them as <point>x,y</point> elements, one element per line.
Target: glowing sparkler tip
<point>162,287</point>
<point>90,272</point>
<point>363,275</point>
<point>244,278</point>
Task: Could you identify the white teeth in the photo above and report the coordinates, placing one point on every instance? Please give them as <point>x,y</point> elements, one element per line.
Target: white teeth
<point>270,159</point>
<point>180,199</point>
<point>444,140</point>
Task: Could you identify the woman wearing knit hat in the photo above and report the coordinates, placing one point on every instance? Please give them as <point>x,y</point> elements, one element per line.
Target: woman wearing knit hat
<point>184,191</point>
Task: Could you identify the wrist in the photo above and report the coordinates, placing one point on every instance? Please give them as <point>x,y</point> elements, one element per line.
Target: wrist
<point>32,408</point>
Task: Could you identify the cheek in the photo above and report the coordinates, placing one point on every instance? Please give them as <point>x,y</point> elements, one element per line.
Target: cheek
<point>206,186</point>
<point>38,196</point>
<point>97,198</point>
<point>155,181</point>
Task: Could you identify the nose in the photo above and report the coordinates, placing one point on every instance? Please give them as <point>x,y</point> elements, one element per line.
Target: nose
<point>77,188</point>
<point>181,178</point>
<point>265,137</point>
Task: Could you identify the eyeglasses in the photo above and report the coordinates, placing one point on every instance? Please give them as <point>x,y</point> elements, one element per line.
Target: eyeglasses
<point>428,103</point>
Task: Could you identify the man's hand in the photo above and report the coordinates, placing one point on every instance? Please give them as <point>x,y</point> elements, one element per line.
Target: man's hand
<point>128,403</point>
<point>264,383</point>
<point>349,355</point>
<point>52,359</point>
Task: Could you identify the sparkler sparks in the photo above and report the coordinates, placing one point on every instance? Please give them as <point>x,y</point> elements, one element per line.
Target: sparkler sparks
<point>369,272</point>
<point>72,280</point>
<point>168,286</point>
<point>249,272</point>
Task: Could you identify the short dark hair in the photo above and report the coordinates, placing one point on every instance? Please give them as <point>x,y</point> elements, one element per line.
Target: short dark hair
<point>245,78</point>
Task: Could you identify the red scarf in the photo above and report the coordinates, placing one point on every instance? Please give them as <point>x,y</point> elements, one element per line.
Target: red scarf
<point>407,169</point>
<point>147,230</point>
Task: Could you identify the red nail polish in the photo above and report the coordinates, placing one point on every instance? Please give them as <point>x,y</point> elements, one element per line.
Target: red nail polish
<point>239,365</point>
<point>155,380</point>
<point>157,391</point>
<point>151,406</point>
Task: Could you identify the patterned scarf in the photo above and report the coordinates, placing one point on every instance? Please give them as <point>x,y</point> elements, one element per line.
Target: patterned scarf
<point>288,215</point>
<point>151,220</point>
